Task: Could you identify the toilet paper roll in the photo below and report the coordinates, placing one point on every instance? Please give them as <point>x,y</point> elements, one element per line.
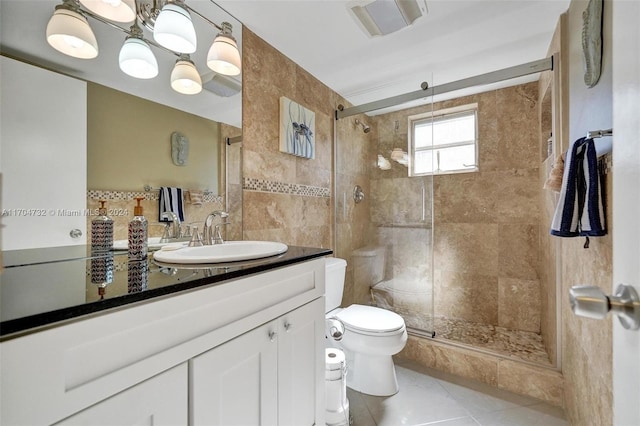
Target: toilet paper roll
<point>334,361</point>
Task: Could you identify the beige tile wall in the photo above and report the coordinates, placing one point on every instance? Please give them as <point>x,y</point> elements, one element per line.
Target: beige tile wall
<point>587,343</point>
<point>283,216</point>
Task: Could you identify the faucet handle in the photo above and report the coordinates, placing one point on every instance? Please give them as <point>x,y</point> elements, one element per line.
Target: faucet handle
<point>165,234</point>
<point>196,239</point>
<point>217,236</point>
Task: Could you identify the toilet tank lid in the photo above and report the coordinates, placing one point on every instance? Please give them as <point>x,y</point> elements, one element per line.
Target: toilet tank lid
<point>370,319</point>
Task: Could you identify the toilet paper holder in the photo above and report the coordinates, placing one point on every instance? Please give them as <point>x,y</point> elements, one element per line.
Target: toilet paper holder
<point>336,329</point>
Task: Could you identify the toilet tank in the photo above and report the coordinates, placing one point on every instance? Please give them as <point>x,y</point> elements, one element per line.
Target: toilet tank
<point>335,269</point>
<point>368,266</point>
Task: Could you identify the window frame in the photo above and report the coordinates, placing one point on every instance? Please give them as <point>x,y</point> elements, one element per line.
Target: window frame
<point>442,114</point>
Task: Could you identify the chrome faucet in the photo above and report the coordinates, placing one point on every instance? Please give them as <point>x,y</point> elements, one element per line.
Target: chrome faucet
<point>212,235</point>
<point>175,224</point>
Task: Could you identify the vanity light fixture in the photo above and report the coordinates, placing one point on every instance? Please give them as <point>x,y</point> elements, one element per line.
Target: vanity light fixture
<point>69,32</point>
<point>113,10</point>
<point>136,58</point>
<point>185,78</point>
<point>170,21</point>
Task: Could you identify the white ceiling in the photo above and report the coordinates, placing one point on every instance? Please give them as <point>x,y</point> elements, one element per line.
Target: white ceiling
<point>457,39</point>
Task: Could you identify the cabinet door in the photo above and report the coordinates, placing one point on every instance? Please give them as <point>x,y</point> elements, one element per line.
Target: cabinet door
<point>161,400</point>
<point>236,383</point>
<point>301,366</point>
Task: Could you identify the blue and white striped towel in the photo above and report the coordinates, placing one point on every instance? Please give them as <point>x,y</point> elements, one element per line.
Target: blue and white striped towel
<point>171,200</point>
<point>580,209</point>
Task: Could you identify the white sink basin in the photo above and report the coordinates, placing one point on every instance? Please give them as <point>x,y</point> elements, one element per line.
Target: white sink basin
<point>230,251</point>
<point>152,244</point>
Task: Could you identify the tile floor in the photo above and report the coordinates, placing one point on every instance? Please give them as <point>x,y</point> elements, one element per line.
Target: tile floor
<point>430,397</point>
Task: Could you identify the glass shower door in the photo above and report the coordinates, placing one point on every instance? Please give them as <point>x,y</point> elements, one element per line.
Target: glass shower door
<point>385,236</point>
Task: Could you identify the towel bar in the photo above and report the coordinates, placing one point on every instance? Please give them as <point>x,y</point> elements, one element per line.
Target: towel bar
<point>592,134</point>
<point>604,147</point>
<point>149,188</point>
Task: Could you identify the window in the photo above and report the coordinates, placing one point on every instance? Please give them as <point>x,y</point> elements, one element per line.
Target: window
<point>444,141</point>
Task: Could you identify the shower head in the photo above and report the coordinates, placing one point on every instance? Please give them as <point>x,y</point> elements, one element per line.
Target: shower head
<point>365,128</point>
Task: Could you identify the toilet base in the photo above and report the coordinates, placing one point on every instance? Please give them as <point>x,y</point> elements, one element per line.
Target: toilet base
<point>371,375</point>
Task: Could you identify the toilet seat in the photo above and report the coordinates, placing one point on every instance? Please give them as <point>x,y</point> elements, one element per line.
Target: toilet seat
<point>370,320</point>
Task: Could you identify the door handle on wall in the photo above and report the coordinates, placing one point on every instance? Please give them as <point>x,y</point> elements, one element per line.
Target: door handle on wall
<point>591,302</point>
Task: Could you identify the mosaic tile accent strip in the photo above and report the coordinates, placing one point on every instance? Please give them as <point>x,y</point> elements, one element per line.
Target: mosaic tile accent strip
<point>261,185</point>
<point>153,195</point>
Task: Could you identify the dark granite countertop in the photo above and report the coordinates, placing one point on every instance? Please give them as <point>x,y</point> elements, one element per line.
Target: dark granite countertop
<point>45,287</point>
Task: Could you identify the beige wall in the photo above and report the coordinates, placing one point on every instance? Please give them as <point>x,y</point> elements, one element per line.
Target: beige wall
<point>587,343</point>
<point>129,144</point>
<point>285,198</point>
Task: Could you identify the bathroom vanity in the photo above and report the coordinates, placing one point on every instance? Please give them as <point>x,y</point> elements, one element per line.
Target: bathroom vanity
<point>236,343</point>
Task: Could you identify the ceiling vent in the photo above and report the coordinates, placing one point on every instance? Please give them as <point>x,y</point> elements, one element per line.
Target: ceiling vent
<point>221,85</point>
<point>382,17</point>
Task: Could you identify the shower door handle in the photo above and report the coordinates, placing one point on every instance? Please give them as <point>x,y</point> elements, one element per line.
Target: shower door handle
<point>591,302</point>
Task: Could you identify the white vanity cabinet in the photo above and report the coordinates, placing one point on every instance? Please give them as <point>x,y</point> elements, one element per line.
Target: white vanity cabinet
<point>206,352</point>
<point>267,376</point>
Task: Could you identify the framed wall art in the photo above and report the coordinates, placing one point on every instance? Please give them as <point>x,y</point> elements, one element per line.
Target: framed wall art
<point>297,129</point>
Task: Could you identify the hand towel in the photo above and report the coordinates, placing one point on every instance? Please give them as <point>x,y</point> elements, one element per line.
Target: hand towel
<point>580,209</point>
<point>554,181</point>
<point>170,201</point>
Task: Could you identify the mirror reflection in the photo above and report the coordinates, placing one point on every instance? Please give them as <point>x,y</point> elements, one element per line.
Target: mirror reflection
<point>88,130</point>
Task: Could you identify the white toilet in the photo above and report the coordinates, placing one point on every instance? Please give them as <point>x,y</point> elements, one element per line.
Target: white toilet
<point>371,336</point>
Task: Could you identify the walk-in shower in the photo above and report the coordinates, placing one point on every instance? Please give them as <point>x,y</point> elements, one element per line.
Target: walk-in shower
<point>452,208</point>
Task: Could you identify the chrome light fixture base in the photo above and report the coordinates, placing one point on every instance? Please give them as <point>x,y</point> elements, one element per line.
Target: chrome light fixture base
<point>148,11</point>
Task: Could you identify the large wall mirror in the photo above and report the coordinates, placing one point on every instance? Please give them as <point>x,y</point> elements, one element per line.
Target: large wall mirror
<point>129,121</point>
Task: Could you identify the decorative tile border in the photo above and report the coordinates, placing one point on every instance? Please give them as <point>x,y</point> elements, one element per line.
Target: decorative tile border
<point>147,195</point>
<point>261,185</point>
